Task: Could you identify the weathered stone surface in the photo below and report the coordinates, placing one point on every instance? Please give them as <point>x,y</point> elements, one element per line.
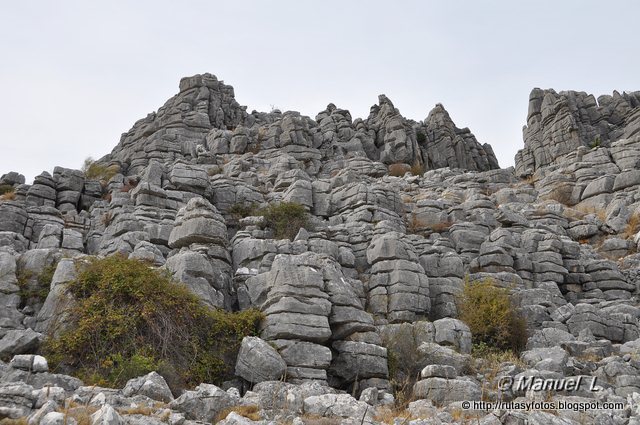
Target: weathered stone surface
<point>52,317</point>
<point>107,415</point>
<point>29,362</point>
<point>204,403</point>
<point>198,222</point>
<point>19,342</point>
<point>336,405</point>
<point>443,391</point>
<point>206,277</point>
<point>398,289</point>
<point>258,361</point>
<point>151,385</point>
<point>16,400</point>
<point>453,332</point>
<point>559,123</point>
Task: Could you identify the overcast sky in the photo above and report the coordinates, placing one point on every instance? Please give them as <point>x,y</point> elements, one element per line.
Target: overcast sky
<point>74,75</point>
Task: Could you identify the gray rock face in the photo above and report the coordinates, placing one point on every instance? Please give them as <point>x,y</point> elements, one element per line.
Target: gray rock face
<point>307,299</point>
<point>398,289</point>
<point>14,217</point>
<point>19,342</point>
<point>337,405</point>
<point>258,361</point>
<point>16,400</point>
<point>181,124</point>
<point>198,222</point>
<point>446,145</point>
<point>52,317</point>
<point>204,403</point>
<point>107,415</point>
<point>443,391</point>
<point>453,332</point>
<point>559,123</point>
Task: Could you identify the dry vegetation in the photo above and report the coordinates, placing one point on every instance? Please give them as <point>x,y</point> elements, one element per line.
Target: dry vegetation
<point>388,415</point>
<point>633,226</point>
<point>95,171</point>
<point>251,412</point>
<point>600,213</point>
<point>399,169</point>
<point>417,169</point>
<point>10,421</point>
<point>443,226</point>
<point>7,192</point>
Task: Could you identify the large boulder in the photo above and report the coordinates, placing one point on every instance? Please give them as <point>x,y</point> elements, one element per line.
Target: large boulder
<point>204,403</point>
<point>258,361</point>
<point>151,385</point>
<point>198,222</point>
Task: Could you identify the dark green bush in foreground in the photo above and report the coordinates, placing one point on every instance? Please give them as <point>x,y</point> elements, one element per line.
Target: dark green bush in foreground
<point>131,319</point>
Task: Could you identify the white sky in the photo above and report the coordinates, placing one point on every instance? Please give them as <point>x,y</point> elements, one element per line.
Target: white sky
<point>74,75</point>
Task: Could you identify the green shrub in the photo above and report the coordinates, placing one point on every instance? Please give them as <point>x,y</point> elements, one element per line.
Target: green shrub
<point>130,319</point>
<point>285,218</point>
<point>492,318</point>
<point>30,294</point>
<point>95,171</point>
<point>241,210</point>
<point>421,137</point>
<point>9,195</point>
<point>5,188</point>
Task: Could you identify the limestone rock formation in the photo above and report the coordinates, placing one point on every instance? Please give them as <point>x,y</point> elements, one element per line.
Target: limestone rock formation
<point>559,123</point>
<point>361,297</point>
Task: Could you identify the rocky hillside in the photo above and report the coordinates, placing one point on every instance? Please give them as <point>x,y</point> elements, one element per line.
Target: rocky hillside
<point>401,215</point>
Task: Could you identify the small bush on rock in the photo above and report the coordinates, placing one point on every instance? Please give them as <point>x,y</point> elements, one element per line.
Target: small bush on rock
<point>131,319</point>
<point>398,169</point>
<point>285,218</point>
<point>35,294</point>
<point>5,188</point>
<point>241,210</point>
<point>7,194</point>
<point>492,318</point>
<point>95,171</point>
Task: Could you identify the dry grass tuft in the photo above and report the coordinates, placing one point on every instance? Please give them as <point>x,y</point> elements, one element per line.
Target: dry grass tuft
<point>415,225</point>
<point>387,415</point>
<point>82,414</point>
<point>18,421</point>
<point>601,213</point>
<point>417,169</point>
<point>8,196</point>
<point>250,411</point>
<point>633,226</point>
<point>398,169</point>
<point>442,226</point>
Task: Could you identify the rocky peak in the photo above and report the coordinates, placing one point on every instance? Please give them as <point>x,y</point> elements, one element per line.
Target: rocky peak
<point>558,123</point>
<point>204,120</point>
<point>178,127</point>
<point>443,144</point>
